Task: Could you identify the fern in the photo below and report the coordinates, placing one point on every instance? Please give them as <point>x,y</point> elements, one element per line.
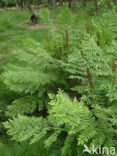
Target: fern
<point>44,15</point>
<point>67,148</point>
<point>23,105</point>
<point>68,116</point>
<point>82,61</point>
<point>28,126</point>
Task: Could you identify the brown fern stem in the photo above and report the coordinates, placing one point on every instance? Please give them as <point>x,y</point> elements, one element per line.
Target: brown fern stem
<point>91,86</point>
<point>60,52</point>
<point>98,36</point>
<point>89,79</point>
<point>113,66</point>
<point>98,42</point>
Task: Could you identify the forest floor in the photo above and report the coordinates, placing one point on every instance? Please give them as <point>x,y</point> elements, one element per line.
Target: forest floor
<point>14,28</point>
<point>37,26</point>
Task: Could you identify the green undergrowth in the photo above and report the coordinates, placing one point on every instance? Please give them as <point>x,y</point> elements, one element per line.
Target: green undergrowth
<point>14,28</point>
<point>61,80</point>
<point>24,149</point>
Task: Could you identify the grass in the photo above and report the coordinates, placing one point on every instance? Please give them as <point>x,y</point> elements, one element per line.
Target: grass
<point>9,148</point>
<point>14,28</point>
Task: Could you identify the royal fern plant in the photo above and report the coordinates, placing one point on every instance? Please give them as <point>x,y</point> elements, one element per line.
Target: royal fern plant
<point>67,86</point>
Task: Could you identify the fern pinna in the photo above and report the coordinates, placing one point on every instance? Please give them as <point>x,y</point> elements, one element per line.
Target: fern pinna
<point>71,59</point>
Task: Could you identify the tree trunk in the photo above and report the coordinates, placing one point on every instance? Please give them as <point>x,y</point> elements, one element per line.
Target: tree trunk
<point>54,3</point>
<point>49,2</point>
<point>70,3</point>
<point>74,6</point>
<point>22,4</point>
<point>6,5</point>
<point>61,2</point>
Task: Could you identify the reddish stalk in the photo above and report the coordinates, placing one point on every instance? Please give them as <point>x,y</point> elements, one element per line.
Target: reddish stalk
<point>60,53</point>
